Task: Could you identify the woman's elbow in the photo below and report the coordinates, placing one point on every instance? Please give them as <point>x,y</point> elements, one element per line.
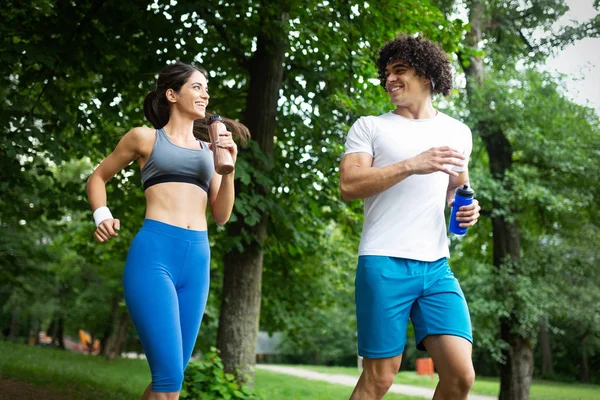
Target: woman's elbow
<point>221,219</point>
<point>92,182</point>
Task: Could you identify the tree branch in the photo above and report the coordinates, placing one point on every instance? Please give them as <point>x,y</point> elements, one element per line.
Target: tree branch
<point>526,41</point>
<point>241,57</point>
<point>86,19</point>
<point>208,15</point>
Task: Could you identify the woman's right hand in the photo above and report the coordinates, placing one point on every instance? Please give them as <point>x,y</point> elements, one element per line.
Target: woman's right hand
<point>107,229</point>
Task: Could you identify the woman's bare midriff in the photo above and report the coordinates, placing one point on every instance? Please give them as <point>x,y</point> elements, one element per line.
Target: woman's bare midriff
<point>178,204</point>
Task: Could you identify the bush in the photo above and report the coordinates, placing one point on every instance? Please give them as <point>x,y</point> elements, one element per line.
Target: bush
<point>206,379</point>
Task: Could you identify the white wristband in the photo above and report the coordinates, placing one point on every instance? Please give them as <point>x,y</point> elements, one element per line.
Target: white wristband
<point>102,214</point>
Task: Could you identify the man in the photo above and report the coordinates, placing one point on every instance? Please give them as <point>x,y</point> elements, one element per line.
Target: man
<point>406,164</point>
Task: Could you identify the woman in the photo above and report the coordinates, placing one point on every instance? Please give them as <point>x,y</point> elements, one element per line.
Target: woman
<point>166,277</point>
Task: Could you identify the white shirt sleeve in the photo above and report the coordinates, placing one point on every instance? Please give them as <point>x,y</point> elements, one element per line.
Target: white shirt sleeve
<point>359,139</point>
<point>466,150</point>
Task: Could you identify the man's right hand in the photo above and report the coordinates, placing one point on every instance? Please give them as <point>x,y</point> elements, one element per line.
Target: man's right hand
<point>107,229</point>
<point>437,159</point>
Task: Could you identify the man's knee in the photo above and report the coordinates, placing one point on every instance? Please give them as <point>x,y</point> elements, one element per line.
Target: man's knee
<point>461,383</point>
<point>383,383</point>
<point>380,382</point>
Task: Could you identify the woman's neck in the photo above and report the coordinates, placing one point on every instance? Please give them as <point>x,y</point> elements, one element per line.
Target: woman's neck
<point>179,127</point>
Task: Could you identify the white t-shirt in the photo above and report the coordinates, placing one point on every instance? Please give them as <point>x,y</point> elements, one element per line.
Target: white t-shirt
<point>407,220</point>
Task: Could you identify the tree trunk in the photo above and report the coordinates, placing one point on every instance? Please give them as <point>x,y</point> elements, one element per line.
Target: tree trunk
<point>546,352</point>
<point>107,335</point>
<point>240,306</point>
<point>585,366</point>
<point>517,372</point>
<point>38,328</point>
<point>14,323</point>
<point>60,332</point>
<point>115,343</point>
<point>51,331</point>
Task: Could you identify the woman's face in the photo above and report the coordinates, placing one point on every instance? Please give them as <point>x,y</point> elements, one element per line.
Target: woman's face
<point>193,96</point>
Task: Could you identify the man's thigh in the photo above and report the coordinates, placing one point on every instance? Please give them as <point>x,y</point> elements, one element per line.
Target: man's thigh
<point>451,355</point>
<point>442,309</point>
<point>385,292</point>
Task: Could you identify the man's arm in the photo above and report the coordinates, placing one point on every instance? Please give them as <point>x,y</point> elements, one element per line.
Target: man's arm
<point>456,181</point>
<point>359,179</point>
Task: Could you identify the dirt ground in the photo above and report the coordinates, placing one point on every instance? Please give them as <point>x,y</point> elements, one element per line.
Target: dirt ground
<point>15,390</point>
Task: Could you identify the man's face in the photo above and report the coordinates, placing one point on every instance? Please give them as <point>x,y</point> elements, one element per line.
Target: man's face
<point>404,85</point>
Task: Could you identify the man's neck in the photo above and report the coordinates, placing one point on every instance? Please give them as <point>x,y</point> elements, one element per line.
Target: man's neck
<point>416,111</point>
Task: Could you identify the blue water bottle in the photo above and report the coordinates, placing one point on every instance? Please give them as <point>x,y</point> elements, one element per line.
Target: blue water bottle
<point>462,197</point>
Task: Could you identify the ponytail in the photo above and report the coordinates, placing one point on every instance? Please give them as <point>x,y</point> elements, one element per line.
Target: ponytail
<point>238,130</point>
<point>156,110</point>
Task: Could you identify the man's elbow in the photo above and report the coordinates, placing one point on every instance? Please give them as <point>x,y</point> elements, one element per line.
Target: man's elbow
<point>347,193</point>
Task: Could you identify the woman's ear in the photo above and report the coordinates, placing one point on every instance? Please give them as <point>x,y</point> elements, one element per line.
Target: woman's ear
<point>171,96</point>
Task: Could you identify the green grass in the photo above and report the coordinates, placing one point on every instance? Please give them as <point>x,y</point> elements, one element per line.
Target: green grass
<point>540,390</point>
<point>90,378</point>
<point>82,377</point>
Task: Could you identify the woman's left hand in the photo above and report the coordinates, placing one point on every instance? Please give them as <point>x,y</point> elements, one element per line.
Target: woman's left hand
<point>226,142</point>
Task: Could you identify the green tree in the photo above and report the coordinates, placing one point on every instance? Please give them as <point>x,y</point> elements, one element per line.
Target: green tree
<point>530,134</point>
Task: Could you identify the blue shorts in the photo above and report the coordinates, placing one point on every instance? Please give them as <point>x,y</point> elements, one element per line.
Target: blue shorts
<point>166,282</point>
<point>389,290</point>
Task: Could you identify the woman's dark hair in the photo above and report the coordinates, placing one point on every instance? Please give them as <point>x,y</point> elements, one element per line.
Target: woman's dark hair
<point>238,131</point>
<point>425,56</point>
<point>157,109</point>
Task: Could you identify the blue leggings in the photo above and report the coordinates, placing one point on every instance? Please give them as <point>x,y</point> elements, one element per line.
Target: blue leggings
<point>166,282</point>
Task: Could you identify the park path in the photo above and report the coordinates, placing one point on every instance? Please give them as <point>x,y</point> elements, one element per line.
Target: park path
<point>349,380</point>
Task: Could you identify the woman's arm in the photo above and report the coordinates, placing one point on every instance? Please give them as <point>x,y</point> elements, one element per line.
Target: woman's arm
<point>127,150</point>
<point>222,191</point>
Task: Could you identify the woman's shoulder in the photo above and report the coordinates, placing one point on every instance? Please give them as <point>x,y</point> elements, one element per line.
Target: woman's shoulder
<point>142,131</point>
<point>139,139</point>
<point>141,134</point>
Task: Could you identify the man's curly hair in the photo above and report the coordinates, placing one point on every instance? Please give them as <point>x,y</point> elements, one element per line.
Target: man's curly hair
<point>425,56</point>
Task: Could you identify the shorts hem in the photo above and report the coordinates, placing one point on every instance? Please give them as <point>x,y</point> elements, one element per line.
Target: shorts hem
<point>463,335</point>
<point>389,354</point>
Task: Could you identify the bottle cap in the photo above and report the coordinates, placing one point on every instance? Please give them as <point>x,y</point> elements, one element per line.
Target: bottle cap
<point>214,118</point>
<point>465,191</point>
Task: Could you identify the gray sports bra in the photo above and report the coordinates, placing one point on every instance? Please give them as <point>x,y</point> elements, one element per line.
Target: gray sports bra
<point>171,163</point>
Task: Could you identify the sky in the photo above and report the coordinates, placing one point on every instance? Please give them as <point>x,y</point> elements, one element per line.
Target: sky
<point>581,61</point>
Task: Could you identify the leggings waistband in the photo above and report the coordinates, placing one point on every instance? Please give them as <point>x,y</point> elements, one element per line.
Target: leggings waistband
<point>175,231</point>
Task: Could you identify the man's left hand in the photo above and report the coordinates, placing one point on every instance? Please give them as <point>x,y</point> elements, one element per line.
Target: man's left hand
<point>467,215</point>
